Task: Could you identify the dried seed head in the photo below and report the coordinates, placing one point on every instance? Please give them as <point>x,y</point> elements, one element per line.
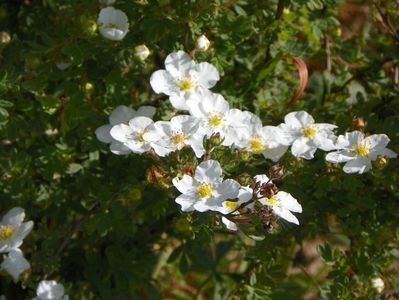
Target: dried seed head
<point>276,172</point>
<point>268,218</point>
<point>268,190</point>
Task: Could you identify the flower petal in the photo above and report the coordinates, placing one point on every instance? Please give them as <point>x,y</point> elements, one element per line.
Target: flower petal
<point>289,202</point>
<point>359,165</point>
<point>285,214</point>
<point>119,149</point>
<point>207,75</point>
<point>340,156</point>
<point>228,189</point>
<point>14,216</point>
<point>179,63</point>
<point>121,114</point>
<point>229,224</point>
<point>162,82</point>
<point>185,202</point>
<point>184,185</point>
<point>122,133</point>
<point>298,119</point>
<point>146,111</point>
<point>103,134</point>
<point>301,148</point>
<point>208,171</point>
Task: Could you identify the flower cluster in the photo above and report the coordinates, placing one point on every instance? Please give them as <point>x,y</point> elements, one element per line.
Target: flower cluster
<point>13,230</point>
<point>210,118</point>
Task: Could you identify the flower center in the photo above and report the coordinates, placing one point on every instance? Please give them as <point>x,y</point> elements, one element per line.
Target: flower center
<point>110,26</point>
<point>232,205</point>
<point>272,201</point>
<point>361,150</point>
<point>139,136</point>
<point>185,84</point>
<point>178,138</point>
<point>215,120</point>
<point>256,145</point>
<point>204,190</point>
<point>6,232</point>
<point>309,132</point>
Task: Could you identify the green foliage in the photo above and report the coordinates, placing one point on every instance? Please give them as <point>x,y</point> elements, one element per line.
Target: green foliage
<point>106,231</point>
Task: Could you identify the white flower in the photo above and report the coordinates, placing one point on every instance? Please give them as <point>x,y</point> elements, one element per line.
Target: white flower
<point>281,203</point>
<point>107,2</point>
<point>231,207</point>
<point>2,297</point>
<point>15,263</point>
<point>114,23</point>
<point>131,136</point>
<point>306,136</point>
<point>166,137</point>
<point>13,230</point>
<point>266,140</point>
<point>358,151</point>
<point>141,52</point>
<point>202,43</point>
<point>121,115</point>
<point>206,190</point>
<point>50,290</point>
<point>183,78</point>
<point>378,284</point>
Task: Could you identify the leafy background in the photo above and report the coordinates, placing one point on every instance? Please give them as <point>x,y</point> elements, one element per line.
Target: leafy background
<point>107,226</point>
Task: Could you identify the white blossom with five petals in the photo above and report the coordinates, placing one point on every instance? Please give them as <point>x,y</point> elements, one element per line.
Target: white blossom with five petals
<point>183,78</point>
<point>13,230</point>
<point>181,131</point>
<point>358,151</point>
<point>306,136</point>
<point>131,135</point>
<point>121,115</point>
<point>282,203</point>
<point>206,190</point>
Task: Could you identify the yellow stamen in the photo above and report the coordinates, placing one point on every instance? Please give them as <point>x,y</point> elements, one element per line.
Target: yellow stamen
<point>271,201</point>
<point>215,120</point>
<point>255,145</point>
<point>232,205</point>
<point>139,136</point>
<point>309,132</point>
<point>178,139</point>
<point>185,84</point>
<point>204,190</point>
<point>361,150</point>
<point>6,232</point>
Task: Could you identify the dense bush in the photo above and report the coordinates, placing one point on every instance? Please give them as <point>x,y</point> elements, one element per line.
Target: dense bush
<point>107,227</point>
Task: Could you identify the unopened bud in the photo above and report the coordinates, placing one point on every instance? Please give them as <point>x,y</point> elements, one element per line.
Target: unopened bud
<point>276,172</point>
<point>244,179</point>
<point>5,38</point>
<point>141,52</point>
<point>202,43</point>
<point>244,155</point>
<point>359,123</point>
<point>135,194</point>
<point>215,140</point>
<point>286,11</point>
<point>381,162</point>
<point>89,87</point>
<point>189,170</point>
<point>378,284</point>
<point>89,26</point>
<point>338,32</point>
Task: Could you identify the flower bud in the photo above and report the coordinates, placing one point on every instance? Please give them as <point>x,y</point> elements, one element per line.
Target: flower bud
<point>135,194</point>
<point>286,11</point>
<point>359,123</point>
<point>141,52</point>
<point>215,140</point>
<point>202,43</point>
<point>378,284</point>
<point>244,155</point>
<point>88,87</point>
<point>381,162</point>
<point>156,175</point>
<point>89,26</point>
<point>276,172</point>
<point>5,38</point>
<point>338,32</point>
<point>244,179</point>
